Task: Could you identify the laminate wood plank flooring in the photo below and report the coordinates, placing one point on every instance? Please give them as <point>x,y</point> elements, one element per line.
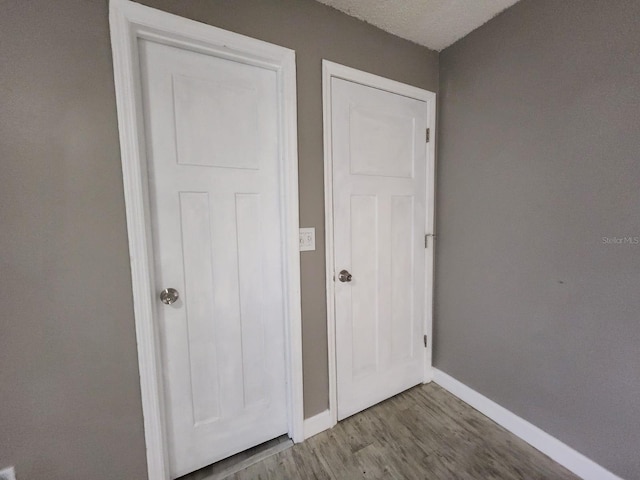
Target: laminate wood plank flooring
<point>424,433</point>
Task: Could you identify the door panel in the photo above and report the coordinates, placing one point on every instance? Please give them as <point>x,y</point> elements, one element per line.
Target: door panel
<point>198,301</point>
<point>213,168</point>
<point>376,137</point>
<point>364,289</point>
<point>402,277</point>
<point>213,119</point>
<point>379,176</point>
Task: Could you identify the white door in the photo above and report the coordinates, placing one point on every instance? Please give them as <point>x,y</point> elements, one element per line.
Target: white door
<point>379,176</point>
<point>213,168</point>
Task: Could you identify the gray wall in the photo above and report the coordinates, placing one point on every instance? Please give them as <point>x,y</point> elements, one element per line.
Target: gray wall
<point>69,393</point>
<point>69,389</point>
<point>538,161</point>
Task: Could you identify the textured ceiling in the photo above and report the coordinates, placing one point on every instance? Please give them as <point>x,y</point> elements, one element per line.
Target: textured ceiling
<point>433,23</point>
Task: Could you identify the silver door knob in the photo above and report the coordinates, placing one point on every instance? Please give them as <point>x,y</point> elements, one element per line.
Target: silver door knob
<point>169,296</point>
<point>344,276</point>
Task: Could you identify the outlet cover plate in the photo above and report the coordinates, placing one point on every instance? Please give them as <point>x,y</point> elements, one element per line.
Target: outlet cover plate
<point>8,474</point>
<point>307,239</point>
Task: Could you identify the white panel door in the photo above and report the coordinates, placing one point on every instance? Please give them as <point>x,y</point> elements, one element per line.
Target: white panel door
<point>379,161</point>
<point>213,169</point>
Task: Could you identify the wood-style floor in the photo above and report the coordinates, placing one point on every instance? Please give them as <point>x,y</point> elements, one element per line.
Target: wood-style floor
<point>423,433</point>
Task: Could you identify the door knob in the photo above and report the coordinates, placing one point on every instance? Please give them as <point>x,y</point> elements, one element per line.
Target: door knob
<point>344,276</point>
<point>169,296</point>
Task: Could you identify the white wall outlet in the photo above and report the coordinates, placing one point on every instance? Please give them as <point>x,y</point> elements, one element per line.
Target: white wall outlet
<point>8,473</point>
<point>307,239</point>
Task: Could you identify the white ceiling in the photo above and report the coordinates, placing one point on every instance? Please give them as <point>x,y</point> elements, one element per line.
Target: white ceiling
<point>433,23</point>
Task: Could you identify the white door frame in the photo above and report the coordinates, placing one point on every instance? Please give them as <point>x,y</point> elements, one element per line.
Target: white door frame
<point>130,22</point>
<point>331,70</point>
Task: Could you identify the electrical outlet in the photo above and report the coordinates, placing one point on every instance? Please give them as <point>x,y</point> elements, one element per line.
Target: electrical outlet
<point>307,239</point>
<point>8,473</point>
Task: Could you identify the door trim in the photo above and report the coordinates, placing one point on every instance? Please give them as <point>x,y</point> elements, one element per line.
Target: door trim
<point>329,71</point>
<point>129,22</point>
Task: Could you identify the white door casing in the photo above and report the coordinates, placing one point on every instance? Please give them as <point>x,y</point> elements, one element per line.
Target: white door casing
<point>213,213</point>
<point>379,185</point>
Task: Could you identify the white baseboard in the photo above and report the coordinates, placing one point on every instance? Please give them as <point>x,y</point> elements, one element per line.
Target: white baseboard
<point>316,424</point>
<point>550,446</point>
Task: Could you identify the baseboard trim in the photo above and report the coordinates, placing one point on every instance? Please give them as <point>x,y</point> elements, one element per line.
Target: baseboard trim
<point>566,456</point>
<point>316,424</point>
<point>428,375</point>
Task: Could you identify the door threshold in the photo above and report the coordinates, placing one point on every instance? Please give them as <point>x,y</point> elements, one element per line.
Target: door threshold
<point>227,467</point>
